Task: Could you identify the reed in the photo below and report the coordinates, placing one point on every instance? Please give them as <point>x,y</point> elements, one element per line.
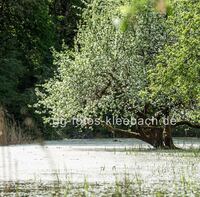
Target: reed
<point>3,129</point>
<point>11,131</point>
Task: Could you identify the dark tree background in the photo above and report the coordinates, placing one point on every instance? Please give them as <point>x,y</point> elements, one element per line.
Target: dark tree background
<point>28,31</point>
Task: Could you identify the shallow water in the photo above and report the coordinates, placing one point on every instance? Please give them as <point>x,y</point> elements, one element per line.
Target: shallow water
<point>101,161</point>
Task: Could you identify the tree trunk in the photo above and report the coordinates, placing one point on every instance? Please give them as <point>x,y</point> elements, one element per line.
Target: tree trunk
<point>167,137</point>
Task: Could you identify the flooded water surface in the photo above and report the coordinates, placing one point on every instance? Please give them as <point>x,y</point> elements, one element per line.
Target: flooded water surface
<point>100,167</point>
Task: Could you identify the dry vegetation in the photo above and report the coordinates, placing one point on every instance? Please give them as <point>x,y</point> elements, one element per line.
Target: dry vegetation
<point>11,132</point>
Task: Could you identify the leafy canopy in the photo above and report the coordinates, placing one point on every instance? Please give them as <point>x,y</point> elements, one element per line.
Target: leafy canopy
<point>176,78</point>
<point>26,35</point>
<point>107,70</point>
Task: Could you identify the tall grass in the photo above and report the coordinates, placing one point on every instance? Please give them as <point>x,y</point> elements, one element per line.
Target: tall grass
<point>124,188</point>
<point>11,131</point>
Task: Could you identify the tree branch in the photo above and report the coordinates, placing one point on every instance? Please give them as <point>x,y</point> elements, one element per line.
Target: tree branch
<point>188,123</point>
<point>125,133</point>
<point>149,137</point>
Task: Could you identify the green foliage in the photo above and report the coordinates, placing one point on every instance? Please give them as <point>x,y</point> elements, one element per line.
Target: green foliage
<point>29,28</point>
<point>135,8</point>
<point>131,11</point>
<point>107,69</point>
<point>126,54</point>
<point>175,80</point>
<point>26,36</point>
<point>65,16</point>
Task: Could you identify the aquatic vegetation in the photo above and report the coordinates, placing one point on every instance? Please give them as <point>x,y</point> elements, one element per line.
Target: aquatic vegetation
<point>100,168</point>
